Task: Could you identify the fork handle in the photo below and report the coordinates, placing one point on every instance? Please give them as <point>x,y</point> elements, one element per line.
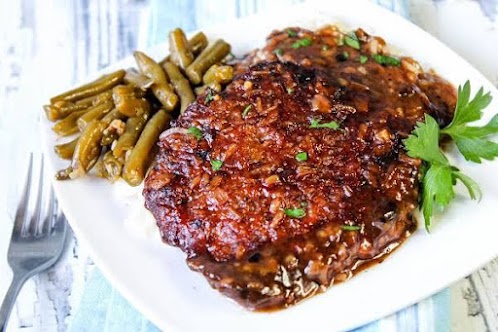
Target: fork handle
<point>10,299</point>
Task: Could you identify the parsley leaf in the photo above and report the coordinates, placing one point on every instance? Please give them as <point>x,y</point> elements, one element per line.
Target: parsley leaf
<point>438,176</point>
<point>196,132</point>
<point>291,33</point>
<point>301,156</point>
<point>350,228</point>
<point>302,43</point>
<point>468,110</point>
<point>386,60</point>
<point>246,111</point>
<point>209,97</point>
<point>363,59</point>
<point>471,141</point>
<point>352,41</point>
<point>295,213</point>
<point>216,164</point>
<point>314,123</point>
<point>437,190</point>
<point>423,143</point>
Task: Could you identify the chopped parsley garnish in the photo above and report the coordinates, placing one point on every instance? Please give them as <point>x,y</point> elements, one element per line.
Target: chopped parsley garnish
<point>295,213</point>
<point>278,52</point>
<point>290,91</point>
<point>352,41</point>
<point>196,132</point>
<point>331,125</point>
<point>246,110</point>
<point>302,43</point>
<point>209,97</point>
<point>291,33</point>
<point>363,59</point>
<point>386,60</point>
<point>439,176</point>
<point>345,54</point>
<point>216,164</point>
<point>350,228</point>
<point>302,156</point>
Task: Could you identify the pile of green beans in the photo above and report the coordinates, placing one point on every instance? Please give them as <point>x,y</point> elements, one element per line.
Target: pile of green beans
<point>115,121</point>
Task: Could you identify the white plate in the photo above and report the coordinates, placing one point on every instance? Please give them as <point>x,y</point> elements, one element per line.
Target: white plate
<point>155,278</point>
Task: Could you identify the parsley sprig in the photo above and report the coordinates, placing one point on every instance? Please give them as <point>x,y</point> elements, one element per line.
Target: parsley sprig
<point>439,176</point>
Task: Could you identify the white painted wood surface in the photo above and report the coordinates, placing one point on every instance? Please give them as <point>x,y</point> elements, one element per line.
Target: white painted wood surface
<point>46,45</point>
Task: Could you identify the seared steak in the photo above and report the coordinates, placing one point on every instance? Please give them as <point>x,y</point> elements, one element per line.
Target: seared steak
<point>295,174</point>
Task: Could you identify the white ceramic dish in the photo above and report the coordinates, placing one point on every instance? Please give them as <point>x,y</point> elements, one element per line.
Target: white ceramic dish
<point>155,278</point>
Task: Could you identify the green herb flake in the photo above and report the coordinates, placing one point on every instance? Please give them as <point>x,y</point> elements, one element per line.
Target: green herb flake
<point>345,55</point>
<point>350,228</point>
<point>363,59</point>
<point>325,47</point>
<point>386,60</point>
<point>295,213</point>
<point>209,97</point>
<point>302,43</point>
<point>291,33</point>
<point>246,110</point>
<point>302,156</point>
<point>216,164</point>
<point>352,41</point>
<point>196,132</point>
<point>290,91</point>
<point>278,52</point>
<point>314,123</point>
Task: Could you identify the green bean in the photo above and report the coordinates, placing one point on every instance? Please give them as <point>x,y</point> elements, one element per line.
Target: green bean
<point>61,109</point>
<point>136,164</point>
<point>112,115</point>
<point>87,149</point>
<point>112,166</point>
<point>220,74</point>
<point>198,43</point>
<point>180,84</point>
<point>66,150</point>
<point>206,59</point>
<point>161,88</point>
<point>95,100</point>
<point>138,80</point>
<point>215,86</point>
<point>100,85</point>
<point>102,97</point>
<point>68,125</point>
<point>133,129</point>
<point>179,49</point>
<point>150,68</point>
<point>94,113</point>
<point>128,101</point>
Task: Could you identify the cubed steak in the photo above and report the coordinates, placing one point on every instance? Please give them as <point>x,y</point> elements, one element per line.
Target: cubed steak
<point>294,176</point>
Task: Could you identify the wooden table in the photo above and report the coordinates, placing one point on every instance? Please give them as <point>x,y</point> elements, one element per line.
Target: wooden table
<point>46,45</point>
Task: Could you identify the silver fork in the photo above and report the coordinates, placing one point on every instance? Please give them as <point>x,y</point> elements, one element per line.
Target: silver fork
<point>37,239</point>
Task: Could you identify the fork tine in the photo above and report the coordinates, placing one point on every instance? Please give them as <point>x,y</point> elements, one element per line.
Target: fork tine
<point>60,223</point>
<point>49,220</point>
<point>23,202</point>
<point>35,218</point>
